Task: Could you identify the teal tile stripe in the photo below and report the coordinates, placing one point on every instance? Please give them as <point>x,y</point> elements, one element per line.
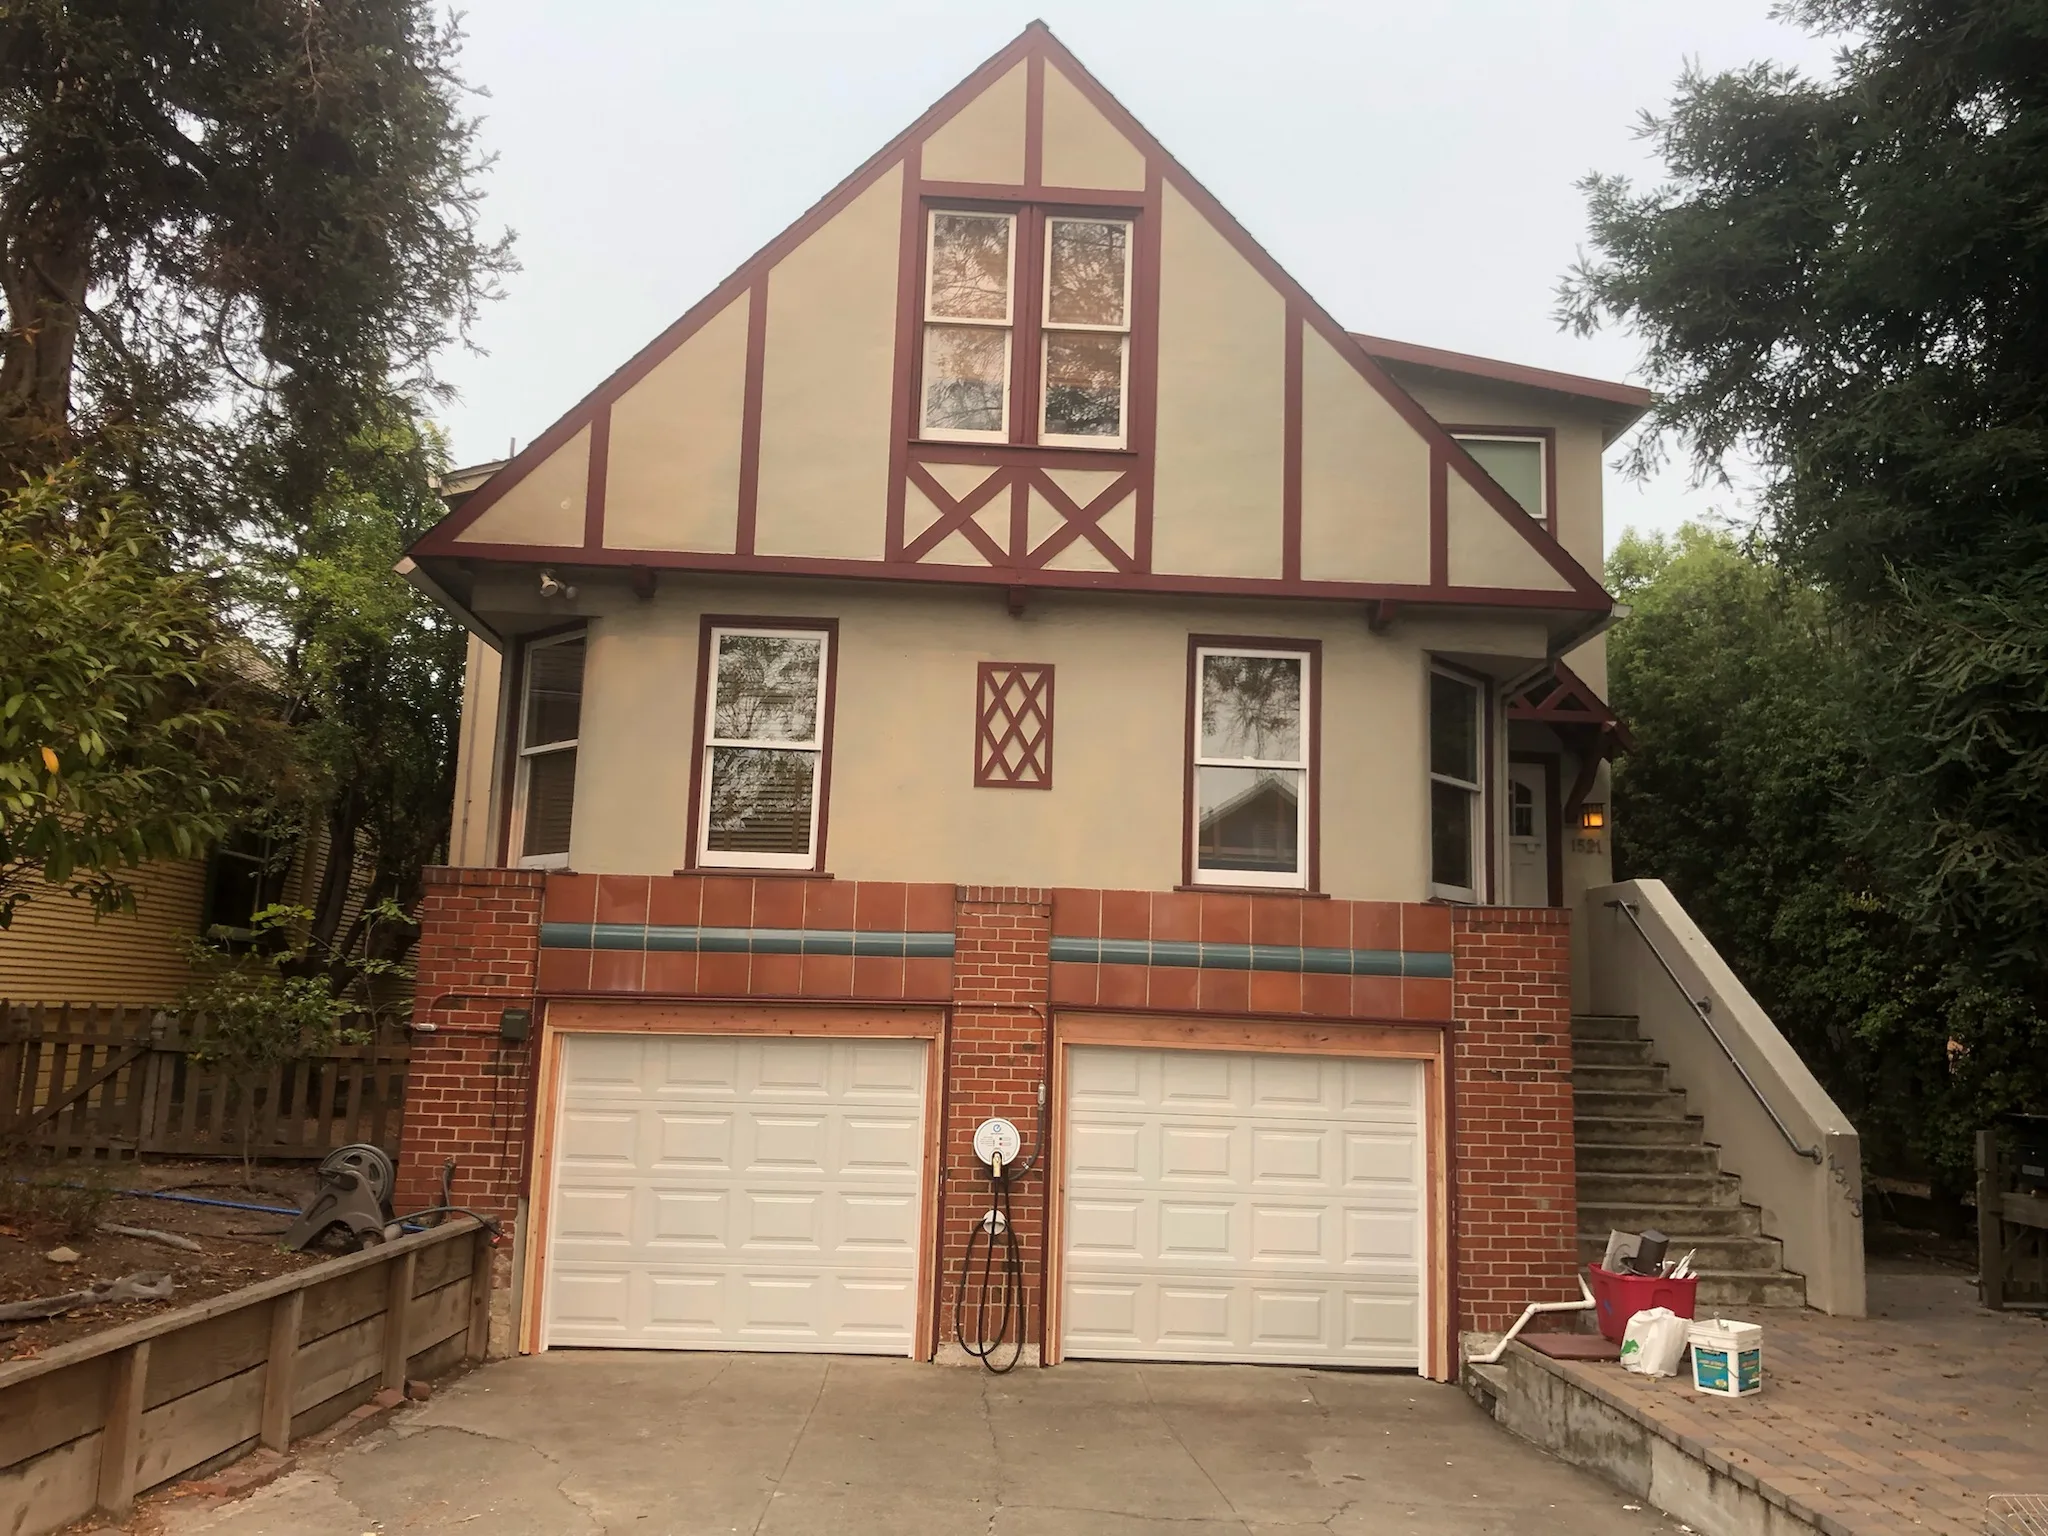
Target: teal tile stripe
<point>1306,959</point>
<point>747,941</point>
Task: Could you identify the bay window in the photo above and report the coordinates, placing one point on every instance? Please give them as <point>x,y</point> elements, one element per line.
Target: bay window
<point>550,716</point>
<point>761,773</point>
<point>1250,775</point>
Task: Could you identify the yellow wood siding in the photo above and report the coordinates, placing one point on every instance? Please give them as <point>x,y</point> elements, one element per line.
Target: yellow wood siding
<point>57,952</point>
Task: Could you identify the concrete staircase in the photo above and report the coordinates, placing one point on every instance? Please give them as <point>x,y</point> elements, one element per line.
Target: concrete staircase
<point>1644,1162</point>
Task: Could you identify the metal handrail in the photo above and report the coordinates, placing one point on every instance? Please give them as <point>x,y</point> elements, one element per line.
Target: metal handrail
<point>1628,910</point>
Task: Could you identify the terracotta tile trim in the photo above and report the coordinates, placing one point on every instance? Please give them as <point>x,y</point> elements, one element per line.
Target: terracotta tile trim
<point>1305,959</point>
<point>899,945</point>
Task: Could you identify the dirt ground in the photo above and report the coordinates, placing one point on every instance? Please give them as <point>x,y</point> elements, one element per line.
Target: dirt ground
<point>240,1246</point>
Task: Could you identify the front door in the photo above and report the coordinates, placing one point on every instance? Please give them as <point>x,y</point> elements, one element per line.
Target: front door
<point>1529,836</point>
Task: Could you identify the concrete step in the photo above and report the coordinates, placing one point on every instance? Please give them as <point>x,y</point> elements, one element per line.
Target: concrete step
<point>1612,1053</point>
<point>1600,1026</point>
<point>1614,1129</point>
<point>1631,1104</point>
<point>1644,1157</point>
<point>1723,1289</point>
<point>1682,1223</point>
<point>1663,1188</point>
<point>1749,1255</point>
<point>1635,1077</point>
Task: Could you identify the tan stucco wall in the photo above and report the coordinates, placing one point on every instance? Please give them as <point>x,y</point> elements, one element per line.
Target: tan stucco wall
<point>473,822</point>
<point>1081,147</point>
<point>672,470</point>
<point>903,804</point>
<point>984,140</point>
<point>1364,477</point>
<point>1222,365</point>
<point>544,508</point>
<point>1484,549</point>
<point>826,384</point>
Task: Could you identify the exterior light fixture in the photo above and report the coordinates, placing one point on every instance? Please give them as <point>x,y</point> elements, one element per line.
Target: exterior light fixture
<point>1593,817</point>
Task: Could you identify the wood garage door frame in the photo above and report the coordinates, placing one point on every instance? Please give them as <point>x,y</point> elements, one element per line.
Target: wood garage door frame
<point>1258,1037</point>
<point>809,1021</point>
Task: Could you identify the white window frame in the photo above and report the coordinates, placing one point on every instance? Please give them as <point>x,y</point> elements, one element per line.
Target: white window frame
<point>1298,879</point>
<point>1476,789</point>
<point>707,856</point>
<point>1542,464</point>
<point>527,754</point>
<point>1008,326</point>
<point>1046,327</point>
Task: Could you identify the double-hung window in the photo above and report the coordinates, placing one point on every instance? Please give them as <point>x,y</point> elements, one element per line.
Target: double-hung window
<point>1455,785</point>
<point>1074,271</point>
<point>1251,766</point>
<point>1086,336</point>
<point>969,314</point>
<point>550,715</point>
<point>761,781</point>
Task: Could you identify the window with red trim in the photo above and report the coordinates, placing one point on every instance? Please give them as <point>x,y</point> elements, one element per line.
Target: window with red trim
<point>1067,348</point>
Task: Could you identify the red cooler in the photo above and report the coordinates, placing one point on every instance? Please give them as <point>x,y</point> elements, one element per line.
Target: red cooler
<point>1618,1298</point>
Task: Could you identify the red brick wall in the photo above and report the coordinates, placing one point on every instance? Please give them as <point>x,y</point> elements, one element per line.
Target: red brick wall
<point>466,1091</point>
<point>996,1058</point>
<point>1516,1208</point>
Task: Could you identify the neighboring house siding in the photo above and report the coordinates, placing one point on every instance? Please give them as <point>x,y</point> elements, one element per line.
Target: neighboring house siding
<point>57,952</point>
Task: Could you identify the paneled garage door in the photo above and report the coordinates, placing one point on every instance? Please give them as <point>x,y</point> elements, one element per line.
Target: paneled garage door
<point>723,1192</point>
<point>1243,1207</point>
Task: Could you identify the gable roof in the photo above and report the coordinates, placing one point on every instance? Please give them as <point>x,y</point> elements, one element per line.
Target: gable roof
<point>570,457</point>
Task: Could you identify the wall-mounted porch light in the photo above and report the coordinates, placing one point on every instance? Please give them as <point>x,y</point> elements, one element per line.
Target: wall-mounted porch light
<point>1593,817</point>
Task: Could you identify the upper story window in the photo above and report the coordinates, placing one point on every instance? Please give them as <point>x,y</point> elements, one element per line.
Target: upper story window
<point>550,716</point>
<point>1456,789</point>
<point>1250,774</point>
<point>1519,462</point>
<point>761,779</point>
<point>1078,276</point>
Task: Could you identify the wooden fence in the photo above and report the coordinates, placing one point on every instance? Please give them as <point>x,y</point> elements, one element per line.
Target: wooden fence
<point>92,1423</point>
<point>2012,1232</point>
<point>110,1083</point>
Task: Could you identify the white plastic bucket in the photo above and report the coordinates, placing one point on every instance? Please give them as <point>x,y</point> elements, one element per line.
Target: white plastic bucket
<point>1727,1357</point>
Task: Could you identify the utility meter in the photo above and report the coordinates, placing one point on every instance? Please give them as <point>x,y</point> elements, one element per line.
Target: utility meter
<point>997,1139</point>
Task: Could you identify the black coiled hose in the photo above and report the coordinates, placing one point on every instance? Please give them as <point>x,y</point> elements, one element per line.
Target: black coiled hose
<point>1004,1277</point>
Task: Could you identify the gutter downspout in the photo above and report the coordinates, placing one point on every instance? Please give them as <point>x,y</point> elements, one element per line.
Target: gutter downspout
<point>1600,625</point>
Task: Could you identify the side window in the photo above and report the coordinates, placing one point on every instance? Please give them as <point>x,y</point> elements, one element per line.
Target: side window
<point>550,715</point>
<point>1086,353</point>
<point>1519,463</point>
<point>1251,767</point>
<point>968,314</point>
<point>761,779</point>
<point>1455,786</point>
<point>245,875</point>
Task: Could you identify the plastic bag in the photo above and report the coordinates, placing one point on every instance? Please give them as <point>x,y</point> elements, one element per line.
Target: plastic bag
<point>1653,1342</point>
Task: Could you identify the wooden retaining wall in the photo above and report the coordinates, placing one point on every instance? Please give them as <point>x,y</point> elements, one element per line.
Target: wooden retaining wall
<point>92,1423</point>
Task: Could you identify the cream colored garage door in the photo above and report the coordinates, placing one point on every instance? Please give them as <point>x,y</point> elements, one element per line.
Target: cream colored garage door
<point>1243,1207</point>
<point>721,1192</point>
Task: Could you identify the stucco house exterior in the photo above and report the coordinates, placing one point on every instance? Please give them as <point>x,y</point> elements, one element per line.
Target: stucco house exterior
<point>1008,651</point>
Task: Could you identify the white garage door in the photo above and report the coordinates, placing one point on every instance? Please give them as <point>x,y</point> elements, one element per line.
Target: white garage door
<point>721,1192</point>
<point>1243,1207</point>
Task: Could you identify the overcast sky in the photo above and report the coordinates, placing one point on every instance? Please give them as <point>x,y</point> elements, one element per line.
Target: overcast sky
<point>1412,165</point>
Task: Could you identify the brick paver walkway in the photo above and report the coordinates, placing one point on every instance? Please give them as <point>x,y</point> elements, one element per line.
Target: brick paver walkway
<point>1907,1420</point>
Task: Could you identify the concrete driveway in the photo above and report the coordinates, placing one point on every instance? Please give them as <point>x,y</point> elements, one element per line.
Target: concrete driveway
<point>576,1442</point>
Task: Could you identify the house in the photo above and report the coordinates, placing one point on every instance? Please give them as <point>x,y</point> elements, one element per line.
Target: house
<point>1009,652</point>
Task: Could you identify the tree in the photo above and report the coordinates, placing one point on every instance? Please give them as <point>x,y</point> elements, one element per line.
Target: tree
<point>116,687</point>
<point>269,203</point>
<point>1847,281</point>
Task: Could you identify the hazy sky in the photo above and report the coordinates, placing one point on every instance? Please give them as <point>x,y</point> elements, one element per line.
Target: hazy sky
<point>1412,165</point>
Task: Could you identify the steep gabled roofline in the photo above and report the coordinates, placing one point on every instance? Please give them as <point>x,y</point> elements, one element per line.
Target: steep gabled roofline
<point>1633,398</point>
<point>439,540</point>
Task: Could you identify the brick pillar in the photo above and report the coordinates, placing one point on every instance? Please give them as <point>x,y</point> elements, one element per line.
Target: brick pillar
<point>1511,1047</point>
<point>996,1058</point>
<point>466,1091</point>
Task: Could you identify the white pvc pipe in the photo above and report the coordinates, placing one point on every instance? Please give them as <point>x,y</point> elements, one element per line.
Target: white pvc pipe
<point>1494,1354</point>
